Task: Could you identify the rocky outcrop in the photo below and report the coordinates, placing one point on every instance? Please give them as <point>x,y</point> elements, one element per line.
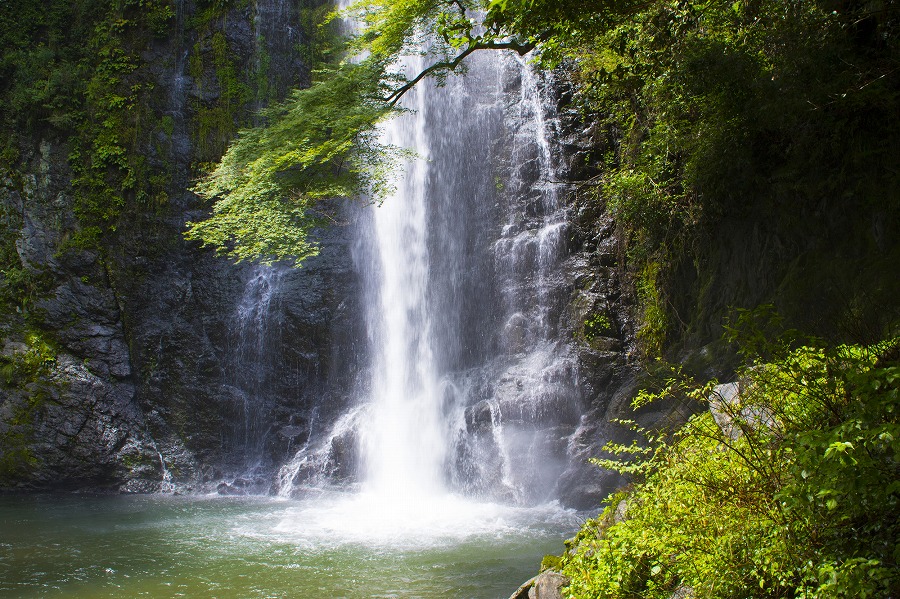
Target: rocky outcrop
<point>69,413</point>
<point>73,429</point>
<point>121,363</point>
<point>548,584</point>
<point>600,319</point>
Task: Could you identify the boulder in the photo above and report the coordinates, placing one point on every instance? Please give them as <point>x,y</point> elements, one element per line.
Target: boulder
<point>732,417</point>
<point>546,585</point>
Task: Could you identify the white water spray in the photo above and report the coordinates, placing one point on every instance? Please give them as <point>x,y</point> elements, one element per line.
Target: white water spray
<point>403,443</point>
<point>468,393</point>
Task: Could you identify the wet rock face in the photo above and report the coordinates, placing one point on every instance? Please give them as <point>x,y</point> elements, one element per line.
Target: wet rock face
<point>138,392</point>
<point>161,377</point>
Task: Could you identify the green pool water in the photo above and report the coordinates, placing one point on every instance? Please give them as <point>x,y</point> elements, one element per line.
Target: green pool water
<point>327,546</point>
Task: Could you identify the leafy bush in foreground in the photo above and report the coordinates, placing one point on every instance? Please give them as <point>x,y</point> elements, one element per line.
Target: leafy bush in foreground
<point>795,492</point>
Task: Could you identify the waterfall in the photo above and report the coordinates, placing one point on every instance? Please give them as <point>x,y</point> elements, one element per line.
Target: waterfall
<point>471,388</point>
<point>402,440</point>
<point>254,347</point>
<point>532,382</point>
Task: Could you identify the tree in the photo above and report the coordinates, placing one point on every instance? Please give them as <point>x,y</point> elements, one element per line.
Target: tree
<point>323,143</point>
<point>707,106</point>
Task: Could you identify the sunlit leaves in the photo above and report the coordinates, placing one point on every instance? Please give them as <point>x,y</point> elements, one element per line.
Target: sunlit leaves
<point>322,142</point>
<point>319,144</point>
<point>802,503</point>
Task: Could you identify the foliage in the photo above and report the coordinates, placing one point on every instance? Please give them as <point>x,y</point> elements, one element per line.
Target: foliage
<point>595,325</point>
<point>775,112</point>
<point>323,142</point>
<point>34,363</point>
<point>791,490</point>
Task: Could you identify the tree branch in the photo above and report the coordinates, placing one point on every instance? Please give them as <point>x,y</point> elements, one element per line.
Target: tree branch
<point>451,65</point>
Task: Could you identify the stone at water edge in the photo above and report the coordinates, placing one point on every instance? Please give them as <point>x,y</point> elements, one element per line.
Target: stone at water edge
<point>546,585</point>
<point>522,591</point>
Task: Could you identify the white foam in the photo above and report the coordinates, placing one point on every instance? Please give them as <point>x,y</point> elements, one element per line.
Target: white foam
<point>410,522</point>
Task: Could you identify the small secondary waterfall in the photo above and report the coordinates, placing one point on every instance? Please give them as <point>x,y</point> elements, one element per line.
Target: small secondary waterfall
<point>255,343</point>
<point>258,368</point>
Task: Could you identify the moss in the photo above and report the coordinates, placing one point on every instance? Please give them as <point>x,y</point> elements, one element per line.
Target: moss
<point>218,120</point>
<point>110,172</point>
<point>654,321</point>
<point>136,461</point>
<point>34,364</point>
<point>167,125</point>
<point>211,12</point>
<point>20,285</point>
<point>26,371</point>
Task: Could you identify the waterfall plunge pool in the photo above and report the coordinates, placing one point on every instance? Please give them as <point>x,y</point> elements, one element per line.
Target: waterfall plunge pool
<point>330,546</point>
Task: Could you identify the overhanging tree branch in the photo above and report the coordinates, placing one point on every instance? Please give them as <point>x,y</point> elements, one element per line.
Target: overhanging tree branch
<point>521,48</point>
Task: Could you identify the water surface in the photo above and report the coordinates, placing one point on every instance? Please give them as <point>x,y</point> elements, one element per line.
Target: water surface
<point>326,547</point>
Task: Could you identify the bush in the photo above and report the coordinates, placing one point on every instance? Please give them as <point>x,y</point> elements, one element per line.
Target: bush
<point>795,492</point>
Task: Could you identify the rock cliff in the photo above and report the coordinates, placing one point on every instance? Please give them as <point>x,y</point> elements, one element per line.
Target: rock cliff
<point>119,355</point>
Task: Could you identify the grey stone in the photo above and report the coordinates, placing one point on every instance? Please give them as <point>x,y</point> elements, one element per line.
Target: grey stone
<point>546,585</point>
<point>682,592</point>
<point>731,415</point>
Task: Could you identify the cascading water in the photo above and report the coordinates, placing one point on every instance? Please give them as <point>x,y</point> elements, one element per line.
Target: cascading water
<point>531,402</point>
<point>402,440</point>
<point>255,341</point>
<point>471,392</point>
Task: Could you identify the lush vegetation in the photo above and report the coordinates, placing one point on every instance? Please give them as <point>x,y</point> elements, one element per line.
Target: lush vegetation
<point>789,489</point>
<point>777,112</point>
<point>764,111</point>
<point>75,74</point>
<point>70,70</point>
<point>319,144</point>
<point>84,119</point>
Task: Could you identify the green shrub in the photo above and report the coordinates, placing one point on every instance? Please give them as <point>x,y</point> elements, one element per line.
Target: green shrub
<point>798,496</point>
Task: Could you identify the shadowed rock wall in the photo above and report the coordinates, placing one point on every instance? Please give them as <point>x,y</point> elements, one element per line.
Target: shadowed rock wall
<point>118,364</point>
